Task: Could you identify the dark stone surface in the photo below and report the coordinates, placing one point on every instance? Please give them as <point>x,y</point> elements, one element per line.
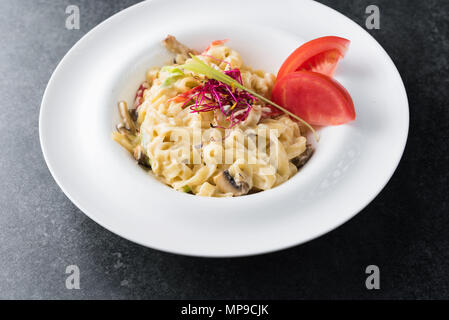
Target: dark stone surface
<point>404,230</point>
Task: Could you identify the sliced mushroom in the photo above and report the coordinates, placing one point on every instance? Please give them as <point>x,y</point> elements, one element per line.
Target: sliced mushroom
<point>122,129</point>
<point>141,157</point>
<point>228,184</point>
<point>134,114</point>
<point>302,159</point>
<point>126,117</point>
<point>173,45</point>
<point>182,52</point>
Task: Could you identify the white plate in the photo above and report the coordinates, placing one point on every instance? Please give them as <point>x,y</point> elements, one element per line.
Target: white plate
<point>350,167</point>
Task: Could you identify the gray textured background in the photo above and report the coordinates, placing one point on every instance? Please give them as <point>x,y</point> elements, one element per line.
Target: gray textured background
<point>404,231</point>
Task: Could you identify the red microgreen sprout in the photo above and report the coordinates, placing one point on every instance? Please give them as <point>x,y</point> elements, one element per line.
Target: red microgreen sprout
<point>233,103</point>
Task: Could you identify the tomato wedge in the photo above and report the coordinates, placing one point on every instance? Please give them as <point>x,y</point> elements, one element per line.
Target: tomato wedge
<point>320,55</point>
<point>316,98</point>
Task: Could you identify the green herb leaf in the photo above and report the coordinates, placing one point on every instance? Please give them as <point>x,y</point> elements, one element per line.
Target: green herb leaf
<point>186,189</point>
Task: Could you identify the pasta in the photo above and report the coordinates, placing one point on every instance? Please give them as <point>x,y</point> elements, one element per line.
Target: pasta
<point>194,151</point>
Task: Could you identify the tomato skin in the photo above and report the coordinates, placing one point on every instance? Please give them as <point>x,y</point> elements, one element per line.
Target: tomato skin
<point>319,55</point>
<point>316,98</point>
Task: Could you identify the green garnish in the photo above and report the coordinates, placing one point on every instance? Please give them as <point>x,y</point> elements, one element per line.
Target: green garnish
<point>186,189</point>
<point>174,74</point>
<point>198,66</point>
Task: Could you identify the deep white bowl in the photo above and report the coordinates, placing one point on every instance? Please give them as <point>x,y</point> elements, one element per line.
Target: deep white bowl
<point>351,165</point>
